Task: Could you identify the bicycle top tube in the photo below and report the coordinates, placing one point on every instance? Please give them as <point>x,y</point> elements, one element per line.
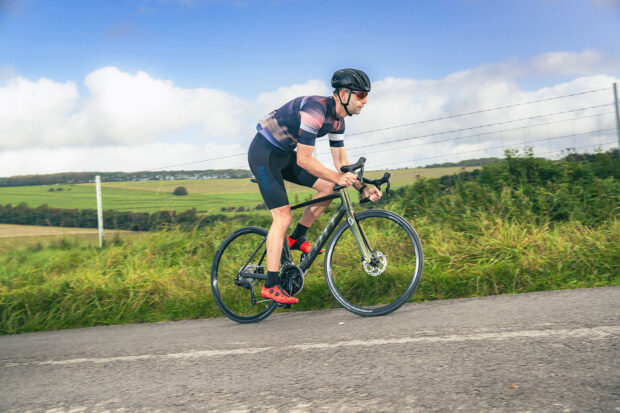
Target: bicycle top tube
<point>357,166</point>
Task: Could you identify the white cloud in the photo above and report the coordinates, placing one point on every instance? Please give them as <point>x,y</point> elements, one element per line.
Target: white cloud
<point>278,97</point>
<point>566,63</point>
<point>34,113</point>
<point>121,108</point>
<point>134,121</point>
<point>129,109</point>
<point>119,158</point>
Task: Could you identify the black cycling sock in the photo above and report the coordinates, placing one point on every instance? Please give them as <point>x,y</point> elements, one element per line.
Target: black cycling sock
<point>300,231</point>
<point>273,278</point>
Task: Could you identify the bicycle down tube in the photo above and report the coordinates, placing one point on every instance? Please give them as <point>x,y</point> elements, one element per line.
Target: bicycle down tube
<point>346,208</point>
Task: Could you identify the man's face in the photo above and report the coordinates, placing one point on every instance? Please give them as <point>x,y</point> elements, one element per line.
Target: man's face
<point>356,103</point>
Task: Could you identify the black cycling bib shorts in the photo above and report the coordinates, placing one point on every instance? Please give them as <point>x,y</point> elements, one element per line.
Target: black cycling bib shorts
<point>271,166</point>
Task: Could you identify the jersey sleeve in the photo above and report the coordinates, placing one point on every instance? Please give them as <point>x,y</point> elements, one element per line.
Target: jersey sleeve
<point>336,140</point>
<point>311,118</point>
<point>336,136</point>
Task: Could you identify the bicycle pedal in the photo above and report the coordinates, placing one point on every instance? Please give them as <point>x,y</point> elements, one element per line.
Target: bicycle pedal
<point>285,306</point>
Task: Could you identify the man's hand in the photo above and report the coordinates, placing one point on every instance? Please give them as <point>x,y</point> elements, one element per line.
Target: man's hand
<point>346,179</point>
<point>373,193</point>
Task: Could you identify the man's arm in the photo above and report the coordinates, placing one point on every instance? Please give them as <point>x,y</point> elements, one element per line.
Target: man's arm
<point>316,168</point>
<point>340,159</point>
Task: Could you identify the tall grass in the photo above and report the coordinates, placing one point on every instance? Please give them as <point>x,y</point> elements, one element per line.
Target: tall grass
<point>165,275</point>
<point>520,225</point>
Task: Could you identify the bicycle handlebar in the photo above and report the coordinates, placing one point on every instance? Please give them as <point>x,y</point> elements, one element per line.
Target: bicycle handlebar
<point>376,182</point>
<point>357,165</point>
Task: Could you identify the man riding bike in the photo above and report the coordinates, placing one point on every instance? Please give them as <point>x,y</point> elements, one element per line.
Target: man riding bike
<point>273,159</point>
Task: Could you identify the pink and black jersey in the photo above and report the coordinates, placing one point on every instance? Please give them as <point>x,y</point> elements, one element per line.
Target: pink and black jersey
<point>302,120</point>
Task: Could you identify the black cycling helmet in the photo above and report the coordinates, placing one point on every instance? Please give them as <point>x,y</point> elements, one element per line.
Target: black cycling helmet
<point>353,79</point>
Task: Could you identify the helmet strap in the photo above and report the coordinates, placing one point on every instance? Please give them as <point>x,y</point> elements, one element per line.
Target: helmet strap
<point>345,104</point>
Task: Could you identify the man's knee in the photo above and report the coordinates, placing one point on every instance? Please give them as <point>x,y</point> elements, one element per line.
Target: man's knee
<point>283,221</point>
<point>323,186</point>
<point>282,217</point>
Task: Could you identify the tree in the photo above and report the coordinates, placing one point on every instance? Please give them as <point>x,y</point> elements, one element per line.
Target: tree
<point>180,190</point>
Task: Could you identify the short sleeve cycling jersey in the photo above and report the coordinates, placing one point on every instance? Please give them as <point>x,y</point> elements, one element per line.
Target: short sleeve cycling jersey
<point>302,120</point>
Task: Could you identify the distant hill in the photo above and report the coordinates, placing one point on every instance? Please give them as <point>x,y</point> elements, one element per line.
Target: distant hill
<point>86,177</point>
<point>468,162</point>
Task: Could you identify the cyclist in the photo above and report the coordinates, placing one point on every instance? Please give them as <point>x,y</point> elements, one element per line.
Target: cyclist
<point>282,150</point>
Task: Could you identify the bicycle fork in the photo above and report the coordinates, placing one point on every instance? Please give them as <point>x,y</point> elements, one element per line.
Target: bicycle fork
<point>358,232</point>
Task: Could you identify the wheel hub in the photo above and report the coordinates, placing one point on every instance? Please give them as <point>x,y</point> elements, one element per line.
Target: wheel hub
<point>377,264</point>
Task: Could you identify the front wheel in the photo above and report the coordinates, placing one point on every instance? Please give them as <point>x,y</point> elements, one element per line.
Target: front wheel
<point>236,291</point>
<point>388,281</point>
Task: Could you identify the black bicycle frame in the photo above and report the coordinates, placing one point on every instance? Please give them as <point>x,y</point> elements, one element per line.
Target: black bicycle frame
<point>322,239</point>
<point>346,208</point>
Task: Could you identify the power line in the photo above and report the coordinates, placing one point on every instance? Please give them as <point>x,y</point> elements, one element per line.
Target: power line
<point>73,212</point>
<point>481,126</point>
<point>497,147</point>
<point>414,123</point>
<point>488,125</point>
<point>579,147</point>
<point>193,162</point>
<point>479,111</point>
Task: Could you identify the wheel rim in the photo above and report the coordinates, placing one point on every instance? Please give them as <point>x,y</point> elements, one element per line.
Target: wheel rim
<point>235,300</point>
<point>365,289</point>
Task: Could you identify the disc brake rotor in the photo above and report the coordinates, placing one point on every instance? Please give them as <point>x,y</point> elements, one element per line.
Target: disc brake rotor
<point>377,264</point>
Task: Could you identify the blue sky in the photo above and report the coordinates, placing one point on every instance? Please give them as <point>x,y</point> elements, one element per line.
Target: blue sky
<point>245,49</point>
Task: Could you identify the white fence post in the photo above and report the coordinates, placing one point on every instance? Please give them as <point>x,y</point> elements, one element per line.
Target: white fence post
<point>99,210</point>
<point>617,114</point>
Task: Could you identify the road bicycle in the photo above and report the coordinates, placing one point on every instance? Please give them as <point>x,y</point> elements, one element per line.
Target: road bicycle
<point>373,262</point>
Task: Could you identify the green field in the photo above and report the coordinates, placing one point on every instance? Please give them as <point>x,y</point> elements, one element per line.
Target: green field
<point>19,236</point>
<point>523,224</point>
<point>204,195</point>
<point>161,276</point>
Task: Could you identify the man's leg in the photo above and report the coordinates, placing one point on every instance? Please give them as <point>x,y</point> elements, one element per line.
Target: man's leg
<point>282,219</point>
<point>312,212</point>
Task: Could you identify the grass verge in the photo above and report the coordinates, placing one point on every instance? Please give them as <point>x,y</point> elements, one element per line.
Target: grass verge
<point>165,275</point>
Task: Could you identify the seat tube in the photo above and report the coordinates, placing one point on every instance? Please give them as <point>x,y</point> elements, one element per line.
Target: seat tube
<point>358,232</point>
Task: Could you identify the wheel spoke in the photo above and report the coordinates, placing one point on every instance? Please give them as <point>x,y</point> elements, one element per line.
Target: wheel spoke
<point>242,250</point>
<point>374,290</point>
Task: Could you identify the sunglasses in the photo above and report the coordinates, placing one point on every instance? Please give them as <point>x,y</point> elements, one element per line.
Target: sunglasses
<point>360,95</point>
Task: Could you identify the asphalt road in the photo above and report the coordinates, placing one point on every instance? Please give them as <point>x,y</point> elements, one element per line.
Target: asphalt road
<point>542,352</point>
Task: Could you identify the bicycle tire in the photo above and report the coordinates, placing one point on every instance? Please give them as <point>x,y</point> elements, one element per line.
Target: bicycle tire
<point>354,288</point>
<point>235,300</point>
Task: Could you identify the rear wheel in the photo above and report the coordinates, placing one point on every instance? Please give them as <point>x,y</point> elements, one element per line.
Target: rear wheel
<point>388,281</point>
<point>238,295</point>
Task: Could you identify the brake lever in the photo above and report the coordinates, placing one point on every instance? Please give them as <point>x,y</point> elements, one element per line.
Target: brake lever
<point>377,183</point>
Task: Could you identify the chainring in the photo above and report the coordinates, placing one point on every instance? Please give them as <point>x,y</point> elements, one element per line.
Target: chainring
<point>292,279</point>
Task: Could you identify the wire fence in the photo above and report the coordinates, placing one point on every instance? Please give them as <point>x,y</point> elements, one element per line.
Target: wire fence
<point>549,127</point>
<point>442,139</point>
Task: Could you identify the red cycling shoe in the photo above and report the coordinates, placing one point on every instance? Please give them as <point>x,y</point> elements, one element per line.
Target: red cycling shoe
<point>277,294</point>
<point>300,244</point>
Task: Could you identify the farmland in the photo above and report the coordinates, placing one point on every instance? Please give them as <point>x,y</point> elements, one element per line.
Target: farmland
<point>14,236</point>
<point>205,195</point>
